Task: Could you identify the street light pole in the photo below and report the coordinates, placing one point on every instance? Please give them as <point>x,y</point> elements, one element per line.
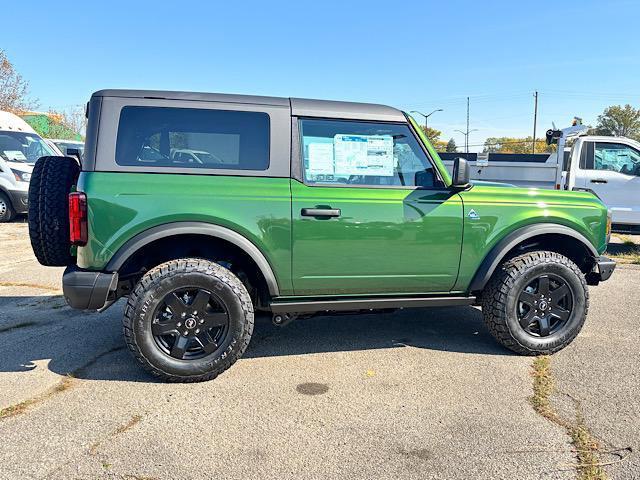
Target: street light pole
<point>466,138</point>
<point>426,118</point>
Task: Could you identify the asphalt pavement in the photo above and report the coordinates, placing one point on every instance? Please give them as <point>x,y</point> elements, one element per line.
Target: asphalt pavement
<point>416,394</point>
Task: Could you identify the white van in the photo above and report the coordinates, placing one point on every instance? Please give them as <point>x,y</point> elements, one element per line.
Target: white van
<point>20,147</point>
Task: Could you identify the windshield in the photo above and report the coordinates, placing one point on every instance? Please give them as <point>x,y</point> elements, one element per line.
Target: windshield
<point>22,147</point>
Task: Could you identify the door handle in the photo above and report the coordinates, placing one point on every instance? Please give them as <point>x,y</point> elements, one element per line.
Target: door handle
<point>599,180</point>
<point>320,212</point>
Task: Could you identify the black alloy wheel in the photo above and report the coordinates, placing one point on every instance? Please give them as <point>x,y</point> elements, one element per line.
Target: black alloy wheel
<point>190,323</point>
<point>544,306</point>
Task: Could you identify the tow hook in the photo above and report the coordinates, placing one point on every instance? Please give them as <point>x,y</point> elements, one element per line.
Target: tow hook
<point>282,319</point>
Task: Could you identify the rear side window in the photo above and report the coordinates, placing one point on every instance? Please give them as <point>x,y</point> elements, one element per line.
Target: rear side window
<point>193,138</point>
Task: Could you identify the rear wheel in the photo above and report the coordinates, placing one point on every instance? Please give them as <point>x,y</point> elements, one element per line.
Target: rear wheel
<point>536,303</point>
<point>188,320</point>
<point>7,213</point>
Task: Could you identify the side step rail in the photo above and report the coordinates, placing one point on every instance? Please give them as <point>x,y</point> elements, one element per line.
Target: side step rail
<point>367,304</point>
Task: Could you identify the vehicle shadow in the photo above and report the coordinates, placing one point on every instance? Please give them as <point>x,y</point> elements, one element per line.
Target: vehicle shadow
<point>623,249</point>
<point>41,332</point>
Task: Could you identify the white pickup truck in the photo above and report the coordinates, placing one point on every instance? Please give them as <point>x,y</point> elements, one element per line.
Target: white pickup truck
<point>609,167</point>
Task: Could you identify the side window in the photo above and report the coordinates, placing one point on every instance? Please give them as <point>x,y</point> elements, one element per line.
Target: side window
<point>194,138</point>
<point>340,152</point>
<point>586,156</point>
<point>616,157</point>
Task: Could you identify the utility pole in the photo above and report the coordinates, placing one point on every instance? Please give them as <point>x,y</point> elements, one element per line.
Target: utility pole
<point>535,120</point>
<point>466,137</point>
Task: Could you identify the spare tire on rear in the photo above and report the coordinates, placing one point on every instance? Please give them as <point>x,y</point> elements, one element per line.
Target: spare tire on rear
<point>51,181</point>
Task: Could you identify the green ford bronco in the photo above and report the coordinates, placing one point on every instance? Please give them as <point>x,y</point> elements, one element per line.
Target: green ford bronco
<point>203,208</point>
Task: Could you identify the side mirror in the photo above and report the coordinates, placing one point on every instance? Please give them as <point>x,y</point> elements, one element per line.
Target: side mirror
<point>73,152</point>
<point>460,173</point>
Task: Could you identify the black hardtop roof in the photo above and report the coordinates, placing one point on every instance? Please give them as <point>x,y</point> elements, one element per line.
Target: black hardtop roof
<point>299,106</point>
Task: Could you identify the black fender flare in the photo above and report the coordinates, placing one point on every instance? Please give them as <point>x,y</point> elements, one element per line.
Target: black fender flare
<point>200,228</point>
<point>500,250</point>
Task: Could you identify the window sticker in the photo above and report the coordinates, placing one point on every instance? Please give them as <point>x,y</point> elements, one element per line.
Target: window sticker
<point>321,159</point>
<point>14,155</point>
<point>363,155</point>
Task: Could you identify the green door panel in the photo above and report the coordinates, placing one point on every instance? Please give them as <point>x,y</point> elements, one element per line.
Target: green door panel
<point>500,211</point>
<point>386,240</point>
<point>121,205</point>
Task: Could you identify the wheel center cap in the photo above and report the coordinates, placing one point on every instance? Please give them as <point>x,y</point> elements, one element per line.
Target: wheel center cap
<point>543,305</point>
<point>190,323</point>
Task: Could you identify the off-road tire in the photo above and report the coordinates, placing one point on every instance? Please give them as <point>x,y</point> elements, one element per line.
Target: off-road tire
<point>500,297</point>
<point>7,212</point>
<point>51,181</point>
<point>172,275</point>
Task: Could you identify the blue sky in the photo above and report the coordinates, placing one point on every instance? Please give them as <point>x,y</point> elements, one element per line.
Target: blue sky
<point>580,56</point>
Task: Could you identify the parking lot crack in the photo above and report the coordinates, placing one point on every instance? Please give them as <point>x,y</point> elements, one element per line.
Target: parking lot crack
<point>587,449</point>
<point>133,421</point>
<point>68,381</point>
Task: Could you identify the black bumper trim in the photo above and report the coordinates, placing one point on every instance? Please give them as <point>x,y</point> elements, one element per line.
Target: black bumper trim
<point>602,270</point>
<point>19,200</point>
<point>605,267</point>
<point>86,289</point>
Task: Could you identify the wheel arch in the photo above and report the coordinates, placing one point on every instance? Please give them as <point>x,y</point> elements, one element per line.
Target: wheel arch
<point>173,229</point>
<point>554,237</point>
<point>6,193</point>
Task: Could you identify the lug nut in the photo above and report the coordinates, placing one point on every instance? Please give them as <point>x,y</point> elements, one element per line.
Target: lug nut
<point>179,324</point>
<point>186,333</point>
<point>183,315</point>
<point>195,312</point>
<point>197,330</point>
<point>201,321</point>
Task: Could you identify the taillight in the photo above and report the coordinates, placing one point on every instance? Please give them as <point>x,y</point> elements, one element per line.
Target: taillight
<point>78,218</point>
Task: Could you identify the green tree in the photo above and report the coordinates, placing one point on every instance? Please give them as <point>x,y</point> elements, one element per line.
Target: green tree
<point>619,121</point>
<point>451,146</point>
<point>432,134</point>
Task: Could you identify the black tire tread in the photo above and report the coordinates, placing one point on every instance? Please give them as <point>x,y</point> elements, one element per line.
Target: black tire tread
<point>51,181</point>
<point>187,265</point>
<point>494,299</point>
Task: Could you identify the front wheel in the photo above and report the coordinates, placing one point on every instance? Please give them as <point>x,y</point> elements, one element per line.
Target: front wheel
<point>188,320</point>
<point>536,303</point>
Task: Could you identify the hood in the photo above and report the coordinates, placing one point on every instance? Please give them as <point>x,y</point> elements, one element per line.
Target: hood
<point>482,183</point>
<point>20,166</point>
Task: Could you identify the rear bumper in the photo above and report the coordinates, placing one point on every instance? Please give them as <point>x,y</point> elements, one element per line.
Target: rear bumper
<point>602,270</point>
<point>19,200</point>
<point>88,290</point>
